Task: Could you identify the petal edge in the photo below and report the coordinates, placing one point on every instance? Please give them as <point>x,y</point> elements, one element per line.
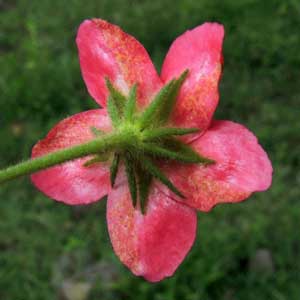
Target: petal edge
<point>200,51</point>
<point>151,245</point>
<point>71,182</point>
<point>242,167</point>
<point>106,50</point>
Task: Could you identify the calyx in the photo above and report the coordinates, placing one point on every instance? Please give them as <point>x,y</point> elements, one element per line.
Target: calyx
<point>147,138</point>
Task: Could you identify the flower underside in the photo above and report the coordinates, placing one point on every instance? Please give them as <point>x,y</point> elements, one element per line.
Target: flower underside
<point>147,139</point>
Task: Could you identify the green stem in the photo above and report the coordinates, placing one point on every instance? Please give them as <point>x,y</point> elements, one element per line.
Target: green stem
<point>105,143</point>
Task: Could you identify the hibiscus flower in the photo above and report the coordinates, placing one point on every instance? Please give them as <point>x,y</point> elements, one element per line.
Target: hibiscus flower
<point>221,162</point>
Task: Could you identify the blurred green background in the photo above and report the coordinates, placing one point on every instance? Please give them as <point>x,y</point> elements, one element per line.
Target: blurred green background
<point>245,251</point>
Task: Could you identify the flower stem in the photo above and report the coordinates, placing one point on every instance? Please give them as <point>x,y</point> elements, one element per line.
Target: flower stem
<point>105,143</point>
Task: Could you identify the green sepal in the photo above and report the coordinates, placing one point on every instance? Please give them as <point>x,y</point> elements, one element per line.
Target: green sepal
<point>152,110</point>
<point>96,159</point>
<point>130,173</point>
<point>96,131</point>
<point>160,109</point>
<point>185,151</point>
<point>113,111</point>
<point>149,139</point>
<point>160,133</point>
<point>114,168</point>
<point>167,107</point>
<point>183,155</point>
<point>117,97</point>
<point>130,105</point>
<point>144,184</point>
<point>149,166</point>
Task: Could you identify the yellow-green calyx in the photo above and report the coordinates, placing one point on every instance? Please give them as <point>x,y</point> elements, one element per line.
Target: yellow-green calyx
<point>139,139</point>
<point>144,137</point>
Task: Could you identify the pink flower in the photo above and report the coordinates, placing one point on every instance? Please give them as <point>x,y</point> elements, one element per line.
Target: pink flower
<point>153,245</point>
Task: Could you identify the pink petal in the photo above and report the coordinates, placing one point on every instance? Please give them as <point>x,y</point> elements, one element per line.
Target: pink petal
<point>200,51</point>
<point>107,51</point>
<point>151,245</point>
<point>241,167</point>
<point>71,182</point>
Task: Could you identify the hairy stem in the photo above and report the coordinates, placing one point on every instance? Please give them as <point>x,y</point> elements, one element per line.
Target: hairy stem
<point>105,143</point>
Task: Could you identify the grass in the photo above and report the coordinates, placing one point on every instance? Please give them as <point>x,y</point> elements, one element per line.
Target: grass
<point>41,84</point>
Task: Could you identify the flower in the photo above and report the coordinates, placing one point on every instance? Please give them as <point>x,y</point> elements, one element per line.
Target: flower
<point>153,244</point>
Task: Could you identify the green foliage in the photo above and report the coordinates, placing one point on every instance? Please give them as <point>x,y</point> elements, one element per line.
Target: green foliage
<point>40,84</point>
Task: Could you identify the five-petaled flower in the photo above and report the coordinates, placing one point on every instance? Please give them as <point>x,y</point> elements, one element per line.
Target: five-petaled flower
<point>155,243</point>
